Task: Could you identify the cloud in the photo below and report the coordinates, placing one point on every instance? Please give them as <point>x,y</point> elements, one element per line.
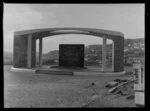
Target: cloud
<point>125,18</point>
<point>18,17</point>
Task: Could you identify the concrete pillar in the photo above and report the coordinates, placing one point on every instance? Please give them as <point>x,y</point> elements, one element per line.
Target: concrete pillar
<point>118,54</point>
<point>29,51</point>
<point>112,55</point>
<point>33,52</point>
<point>40,51</point>
<point>104,54</point>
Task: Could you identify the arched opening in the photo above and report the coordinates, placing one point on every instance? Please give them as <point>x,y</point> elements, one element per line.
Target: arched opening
<point>25,45</point>
<point>93,49</point>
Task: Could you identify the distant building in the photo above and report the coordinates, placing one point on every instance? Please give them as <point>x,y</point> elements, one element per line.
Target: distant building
<point>99,61</point>
<point>125,50</point>
<point>139,60</point>
<point>130,60</point>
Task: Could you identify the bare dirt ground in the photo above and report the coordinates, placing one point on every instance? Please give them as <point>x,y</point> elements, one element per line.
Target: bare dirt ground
<point>42,90</point>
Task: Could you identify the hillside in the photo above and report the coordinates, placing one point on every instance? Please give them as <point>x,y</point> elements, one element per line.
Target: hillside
<point>51,55</point>
<point>8,57</point>
<point>132,41</point>
<point>132,48</point>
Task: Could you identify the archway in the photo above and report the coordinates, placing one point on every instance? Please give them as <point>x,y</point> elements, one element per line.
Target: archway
<point>50,55</point>
<point>25,44</point>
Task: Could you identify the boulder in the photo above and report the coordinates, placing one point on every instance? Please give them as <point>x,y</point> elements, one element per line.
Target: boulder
<point>111,84</point>
<point>131,97</point>
<point>120,80</point>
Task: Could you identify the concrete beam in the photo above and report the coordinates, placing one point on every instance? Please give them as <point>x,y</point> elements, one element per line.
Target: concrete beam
<point>40,51</point>
<point>29,51</point>
<point>104,54</point>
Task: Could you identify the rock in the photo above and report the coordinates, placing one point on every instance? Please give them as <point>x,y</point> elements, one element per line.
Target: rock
<point>92,83</point>
<point>112,90</point>
<point>123,89</point>
<point>119,92</point>
<point>120,80</point>
<point>124,93</point>
<point>124,80</point>
<point>117,80</point>
<point>130,97</point>
<point>132,87</point>
<point>111,84</point>
<point>129,73</point>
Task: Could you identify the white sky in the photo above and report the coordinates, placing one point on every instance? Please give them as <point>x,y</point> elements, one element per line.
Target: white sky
<point>126,18</point>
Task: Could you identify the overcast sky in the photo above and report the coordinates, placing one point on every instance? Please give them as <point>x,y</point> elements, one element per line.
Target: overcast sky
<point>126,18</point>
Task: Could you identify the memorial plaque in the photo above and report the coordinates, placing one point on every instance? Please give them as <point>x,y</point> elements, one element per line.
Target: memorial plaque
<point>71,55</point>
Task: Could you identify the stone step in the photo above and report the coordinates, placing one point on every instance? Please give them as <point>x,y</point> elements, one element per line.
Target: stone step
<point>42,71</point>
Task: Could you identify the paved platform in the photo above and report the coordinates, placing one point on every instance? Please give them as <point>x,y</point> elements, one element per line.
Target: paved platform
<point>52,72</point>
<point>13,69</point>
<point>99,73</point>
<point>88,71</point>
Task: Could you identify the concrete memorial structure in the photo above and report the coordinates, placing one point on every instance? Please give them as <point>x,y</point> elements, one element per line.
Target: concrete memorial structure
<point>71,55</point>
<point>25,45</point>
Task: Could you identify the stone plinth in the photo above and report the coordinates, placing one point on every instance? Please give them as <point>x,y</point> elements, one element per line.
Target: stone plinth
<point>71,55</point>
<point>119,54</point>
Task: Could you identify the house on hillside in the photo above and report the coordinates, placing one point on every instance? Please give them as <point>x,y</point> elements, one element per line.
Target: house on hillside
<point>140,60</point>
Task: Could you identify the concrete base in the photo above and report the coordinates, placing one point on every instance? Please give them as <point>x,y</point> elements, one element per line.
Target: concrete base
<point>73,68</point>
<point>44,71</point>
<point>99,73</point>
<point>13,69</point>
<point>75,72</point>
